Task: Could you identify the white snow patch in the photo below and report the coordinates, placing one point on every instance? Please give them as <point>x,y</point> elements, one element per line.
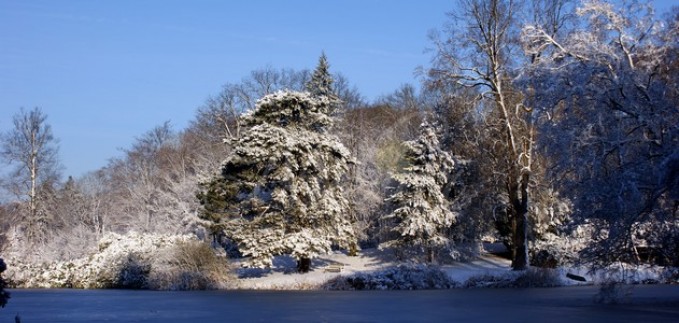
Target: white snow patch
<point>283,274</point>
<point>486,264</point>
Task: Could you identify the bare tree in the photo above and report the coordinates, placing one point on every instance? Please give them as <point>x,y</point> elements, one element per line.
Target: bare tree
<point>31,149</point>
<point>477,54</point>
<point>377,150</point>
<point>349,94</point>
<point>405,98</point>
<point>555,17</point>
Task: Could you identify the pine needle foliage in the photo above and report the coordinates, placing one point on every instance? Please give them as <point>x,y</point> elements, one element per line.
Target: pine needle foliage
<point>279,189</point>
<point>420,215</point>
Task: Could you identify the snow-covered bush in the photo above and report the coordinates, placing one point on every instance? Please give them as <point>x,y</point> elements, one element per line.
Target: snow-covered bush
<point>538,277</point>
<point>671,276</point>
<point>550,241</point>
<point>133,260</point>
<point>133,272</point>
<point>530,278</point>
<point>403,277</point>
<point>490,280</point>
<point>554,250</point>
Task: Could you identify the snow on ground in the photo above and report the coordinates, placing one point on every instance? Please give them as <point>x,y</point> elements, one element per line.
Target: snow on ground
<point>284,276</point>
<point>487,267</point>
<point>486,264</point>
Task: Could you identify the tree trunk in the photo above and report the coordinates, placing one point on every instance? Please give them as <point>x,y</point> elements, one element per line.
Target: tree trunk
<point>304,265</point>
<point>517,187</point>
<point>33,165</point>
<point>519,218</point>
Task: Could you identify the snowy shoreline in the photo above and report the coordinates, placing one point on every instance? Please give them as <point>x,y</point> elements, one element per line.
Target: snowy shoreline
<point>157,262</point>
<point>488,270</point>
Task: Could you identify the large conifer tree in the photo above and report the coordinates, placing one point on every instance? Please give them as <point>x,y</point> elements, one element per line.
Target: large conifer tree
<point>278,191</point>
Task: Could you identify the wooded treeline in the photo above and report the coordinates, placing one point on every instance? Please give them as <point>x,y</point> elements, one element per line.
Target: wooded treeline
<point>560,118</point>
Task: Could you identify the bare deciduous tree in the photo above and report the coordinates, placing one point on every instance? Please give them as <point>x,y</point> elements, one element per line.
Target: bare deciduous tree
<point>31,149</point>
<point>477,53</point>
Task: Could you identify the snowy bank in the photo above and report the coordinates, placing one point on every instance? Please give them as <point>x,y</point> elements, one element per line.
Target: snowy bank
<point>376,269</point>
<point>181,262</point>
<point>133,260</point>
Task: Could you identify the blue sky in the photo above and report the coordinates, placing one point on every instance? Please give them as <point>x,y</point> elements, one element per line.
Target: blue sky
<point>107,71</point>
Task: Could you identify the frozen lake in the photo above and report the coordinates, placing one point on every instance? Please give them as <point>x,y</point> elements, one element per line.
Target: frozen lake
<point>568,304</point>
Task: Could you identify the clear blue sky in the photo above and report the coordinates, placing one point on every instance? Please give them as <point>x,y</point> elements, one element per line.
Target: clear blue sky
<point>107,71</point>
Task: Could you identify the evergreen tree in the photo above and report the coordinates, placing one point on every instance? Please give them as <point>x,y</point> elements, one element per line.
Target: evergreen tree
<point>278,192</point>
<point>321,81</point>
<point>421,214</point>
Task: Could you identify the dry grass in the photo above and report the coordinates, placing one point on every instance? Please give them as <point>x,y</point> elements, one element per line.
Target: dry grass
<point>193,265</point>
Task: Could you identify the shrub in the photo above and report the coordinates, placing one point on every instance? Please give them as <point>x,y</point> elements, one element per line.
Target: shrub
<point>671,276</point>
<point>192,265</point>
<point>133,273</point>
<point>544,259</point>
<point>4,296</point>
<point>489,280</point>
<point>530,278</point>
<point>538,277</point>
<point>404,277</point>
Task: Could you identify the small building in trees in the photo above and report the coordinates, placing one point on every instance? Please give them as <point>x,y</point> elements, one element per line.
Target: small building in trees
<point>279,189</point>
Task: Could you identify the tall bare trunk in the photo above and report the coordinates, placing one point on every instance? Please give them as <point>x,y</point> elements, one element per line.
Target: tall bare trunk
<point>34,177</point>
<point>517,185</point>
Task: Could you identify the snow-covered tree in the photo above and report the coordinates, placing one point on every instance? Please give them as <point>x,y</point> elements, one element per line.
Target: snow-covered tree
<point>421,216</point>
<point>279,190</point>
<point>609,122</point>
<point>321,82</point>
